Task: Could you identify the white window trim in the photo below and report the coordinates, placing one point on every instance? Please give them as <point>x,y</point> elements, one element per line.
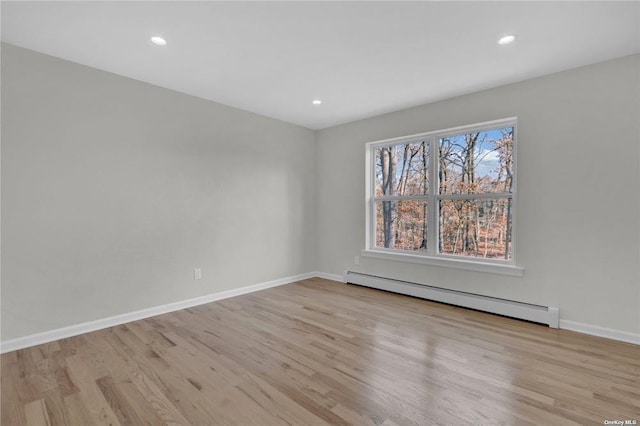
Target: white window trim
<point>503,267</point>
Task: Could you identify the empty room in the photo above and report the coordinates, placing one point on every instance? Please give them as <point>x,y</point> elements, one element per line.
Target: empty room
<point>320,213</point>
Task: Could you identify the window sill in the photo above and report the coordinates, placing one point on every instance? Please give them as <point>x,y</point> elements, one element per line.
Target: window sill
<point>445,262</point>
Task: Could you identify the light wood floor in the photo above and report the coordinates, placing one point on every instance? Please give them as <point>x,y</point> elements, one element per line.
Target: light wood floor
<point>320,352</point>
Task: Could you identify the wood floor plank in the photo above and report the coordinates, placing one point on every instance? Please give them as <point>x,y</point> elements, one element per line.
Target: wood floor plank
<point>84,378</point>
<point>12,411</point>
<point>320,352</point>
<point>125,365</point>
<point>36,413</point>
<point>78,413</point>
<point>127,403</point>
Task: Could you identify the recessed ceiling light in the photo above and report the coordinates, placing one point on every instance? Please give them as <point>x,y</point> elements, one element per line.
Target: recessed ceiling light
<point>507,39</point>
<point>158,40</point>
<point>316,102</point>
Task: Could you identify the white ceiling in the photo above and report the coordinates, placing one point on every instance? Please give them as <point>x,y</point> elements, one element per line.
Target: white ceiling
<point>361,58</point>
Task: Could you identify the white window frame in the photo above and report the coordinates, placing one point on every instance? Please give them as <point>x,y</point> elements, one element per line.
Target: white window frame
<point>431,256</point>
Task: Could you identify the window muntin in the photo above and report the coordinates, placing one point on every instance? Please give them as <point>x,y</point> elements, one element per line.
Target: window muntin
<point>458,202</point>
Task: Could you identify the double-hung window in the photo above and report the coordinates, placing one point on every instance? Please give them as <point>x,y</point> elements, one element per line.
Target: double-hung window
<point>445,197</point>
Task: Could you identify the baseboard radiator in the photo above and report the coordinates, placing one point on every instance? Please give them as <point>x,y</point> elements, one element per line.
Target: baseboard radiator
<point>535,313</point>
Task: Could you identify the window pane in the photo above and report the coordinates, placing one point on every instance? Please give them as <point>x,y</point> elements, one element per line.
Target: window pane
<point>478,228</point>
<point>402,169</point>
<point>401,224</point>
<point>476,163</point>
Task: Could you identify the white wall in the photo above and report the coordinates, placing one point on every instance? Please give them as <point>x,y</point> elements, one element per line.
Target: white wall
<point>113,190</point>
<point>578,192</point>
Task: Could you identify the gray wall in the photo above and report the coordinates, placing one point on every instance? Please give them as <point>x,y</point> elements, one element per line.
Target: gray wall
<point>578,192</point>
<point>113,190</point>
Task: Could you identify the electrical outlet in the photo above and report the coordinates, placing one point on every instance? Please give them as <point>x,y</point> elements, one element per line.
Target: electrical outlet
<point>197,274</point>
<point>356,260</point>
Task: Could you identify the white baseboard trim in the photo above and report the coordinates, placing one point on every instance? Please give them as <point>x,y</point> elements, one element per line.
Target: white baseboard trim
<point>594,330</point>
<point>332,277</point>
<point>87,327</point>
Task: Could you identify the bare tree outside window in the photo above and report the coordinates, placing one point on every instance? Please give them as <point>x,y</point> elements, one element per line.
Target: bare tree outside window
<point>470,200</point>
<point>401,170</point>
